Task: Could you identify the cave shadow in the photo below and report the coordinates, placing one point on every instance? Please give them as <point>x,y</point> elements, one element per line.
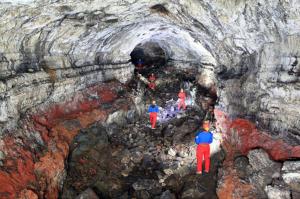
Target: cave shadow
<point>148,57</point>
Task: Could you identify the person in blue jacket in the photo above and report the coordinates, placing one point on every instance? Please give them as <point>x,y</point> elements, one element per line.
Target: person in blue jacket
<point>139,65</point>
<point>203,139</point>
<point>153,110</point>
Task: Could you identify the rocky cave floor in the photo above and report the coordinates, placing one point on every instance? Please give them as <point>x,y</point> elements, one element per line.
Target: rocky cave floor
<point>133,161</point>
<point>137,162</point>
<point>129,160</point>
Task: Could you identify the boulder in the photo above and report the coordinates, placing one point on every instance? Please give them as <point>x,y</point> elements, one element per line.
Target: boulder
<point>192,194</point>
<point>277,193</point>
<point>291,174</point>
<point>87,194</point>
<point>261,170</point>
<point>167,195</point>
<point>150,185</point>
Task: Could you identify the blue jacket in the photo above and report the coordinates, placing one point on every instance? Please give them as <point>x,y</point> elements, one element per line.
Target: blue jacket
<point>152,109</point>
<point>204,137</point>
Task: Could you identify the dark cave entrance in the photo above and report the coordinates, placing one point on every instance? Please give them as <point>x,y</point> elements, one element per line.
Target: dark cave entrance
<point>148,56</point>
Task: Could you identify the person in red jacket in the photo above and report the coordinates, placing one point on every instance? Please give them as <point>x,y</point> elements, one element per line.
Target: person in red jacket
<point>203,139</point>
<point>152,79</point>
<point>181,96</point>
<point>153,110</point>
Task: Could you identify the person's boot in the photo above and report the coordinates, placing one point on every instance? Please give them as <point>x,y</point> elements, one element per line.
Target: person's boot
<point>199,172</point>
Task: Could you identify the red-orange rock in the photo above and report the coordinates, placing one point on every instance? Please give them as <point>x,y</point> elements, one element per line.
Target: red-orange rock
<point>28,194</point>
<point>35,174</point>
<point>245,136</point>
<point>240,136</point>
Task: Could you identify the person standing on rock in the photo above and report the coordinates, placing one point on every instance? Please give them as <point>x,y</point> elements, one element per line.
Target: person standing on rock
<point>153,110</point>
<point>152,79</point>
<point>203,139</point>
<point>181,96</point>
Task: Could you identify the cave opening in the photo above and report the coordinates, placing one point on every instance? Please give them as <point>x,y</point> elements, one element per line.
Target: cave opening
<point>148,56</point>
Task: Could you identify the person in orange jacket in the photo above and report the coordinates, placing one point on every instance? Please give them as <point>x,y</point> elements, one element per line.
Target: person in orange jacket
<point>152,79</point>
<point>182,97</point>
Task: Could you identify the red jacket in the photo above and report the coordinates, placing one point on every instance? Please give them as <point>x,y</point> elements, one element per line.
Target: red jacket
<point>182,95</point>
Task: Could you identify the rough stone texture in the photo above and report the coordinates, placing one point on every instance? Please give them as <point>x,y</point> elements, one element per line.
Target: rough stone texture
<point>87,194</point>
<point>138,161</point>
<point>277,193</point>
<point>53,49</point>
<point>167,195</point>
<point>291,174</point>
<point>58,47</point>
<point>243,135</point>
<point>261,170</point>
<point>34,163</point>
<point>291,166</point>
<point>240,136</point>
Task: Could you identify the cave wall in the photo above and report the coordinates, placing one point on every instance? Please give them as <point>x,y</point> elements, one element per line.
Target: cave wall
<point>64,46</point>
<point>51,50</point>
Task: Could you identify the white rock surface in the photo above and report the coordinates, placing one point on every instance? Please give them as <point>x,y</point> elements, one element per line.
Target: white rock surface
<point>291,174</point>
<point>65,46</point>
<point>277,193</point>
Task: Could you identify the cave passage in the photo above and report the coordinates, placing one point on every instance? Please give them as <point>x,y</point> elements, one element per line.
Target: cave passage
<point>151,54</point>
<point>133,161</point>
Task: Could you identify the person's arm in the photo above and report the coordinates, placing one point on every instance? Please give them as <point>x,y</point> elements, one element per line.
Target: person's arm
<point>198,138</point>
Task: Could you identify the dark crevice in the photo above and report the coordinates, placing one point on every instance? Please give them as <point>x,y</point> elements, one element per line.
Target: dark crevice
<point>160,9</point>
<point>148,56</point>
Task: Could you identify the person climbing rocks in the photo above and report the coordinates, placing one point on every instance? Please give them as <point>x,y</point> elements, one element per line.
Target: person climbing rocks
<point>153,110</point>
<point>181,96</point>
<point>152,79</point>
<point>203,139</point>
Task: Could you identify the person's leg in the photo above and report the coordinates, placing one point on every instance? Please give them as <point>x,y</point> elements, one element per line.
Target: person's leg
<point>152,86</point>
<point>199,154</point>
<point>151,118</point>
<point>154,120</point>
<point>180,104</point>
<point>207,158</point>
<point>183,104</point>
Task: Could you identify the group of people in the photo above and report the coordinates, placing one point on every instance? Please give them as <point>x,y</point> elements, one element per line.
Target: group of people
<point>153,109</point>
<point>203,138</point>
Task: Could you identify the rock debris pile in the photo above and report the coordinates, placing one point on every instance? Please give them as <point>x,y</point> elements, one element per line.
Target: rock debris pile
<point>134,161</point>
